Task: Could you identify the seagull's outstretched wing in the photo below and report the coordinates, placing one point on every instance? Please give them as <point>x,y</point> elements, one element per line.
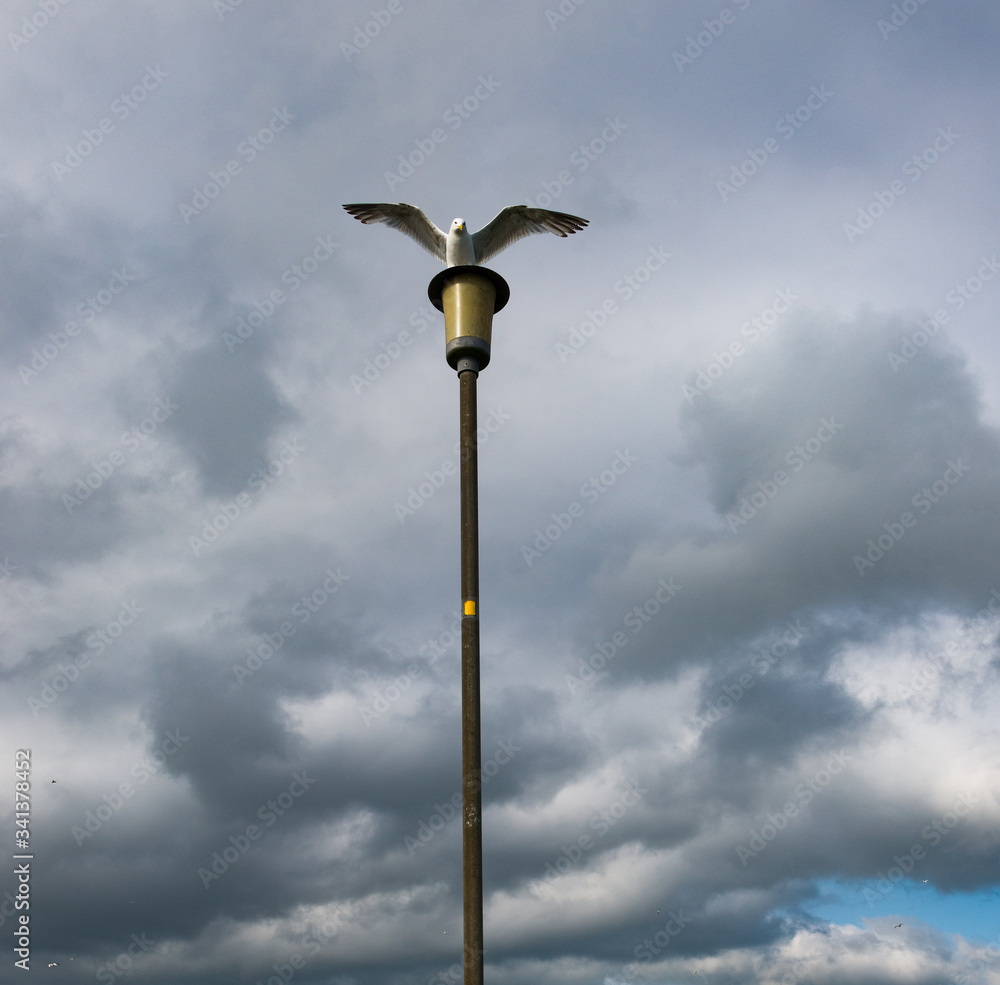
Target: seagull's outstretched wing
<point>407,219</point>
<point>517,221</point>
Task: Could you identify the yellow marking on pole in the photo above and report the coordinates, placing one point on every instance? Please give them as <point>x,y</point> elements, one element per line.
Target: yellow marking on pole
<point>470,607</point>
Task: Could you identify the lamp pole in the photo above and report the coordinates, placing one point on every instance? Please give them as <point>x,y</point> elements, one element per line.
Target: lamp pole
<point>469,295</point>
<point>472,796</point>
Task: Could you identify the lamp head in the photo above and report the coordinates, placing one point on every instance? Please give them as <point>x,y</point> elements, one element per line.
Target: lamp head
<point>468,295</point>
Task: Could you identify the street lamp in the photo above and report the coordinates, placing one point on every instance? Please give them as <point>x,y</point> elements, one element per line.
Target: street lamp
<point>469,295</point>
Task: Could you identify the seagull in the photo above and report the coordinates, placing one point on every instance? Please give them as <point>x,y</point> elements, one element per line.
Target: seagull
<point>460,246</point>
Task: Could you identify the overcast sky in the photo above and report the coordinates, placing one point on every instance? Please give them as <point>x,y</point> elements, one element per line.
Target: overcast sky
<point>739,471</point>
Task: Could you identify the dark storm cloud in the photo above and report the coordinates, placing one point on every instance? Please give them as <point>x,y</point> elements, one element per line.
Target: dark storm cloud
<point>839,481</point>
<point>59,273</point>
<point>228,410</point>
<point>39,532</point>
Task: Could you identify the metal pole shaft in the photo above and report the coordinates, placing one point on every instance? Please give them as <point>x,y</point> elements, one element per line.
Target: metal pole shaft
<point>472,805</point>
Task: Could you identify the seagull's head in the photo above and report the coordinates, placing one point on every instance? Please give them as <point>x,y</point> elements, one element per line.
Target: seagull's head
<point>458,225</point>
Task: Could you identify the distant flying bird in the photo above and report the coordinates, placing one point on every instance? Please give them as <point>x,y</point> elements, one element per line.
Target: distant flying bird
<point>460,246</point>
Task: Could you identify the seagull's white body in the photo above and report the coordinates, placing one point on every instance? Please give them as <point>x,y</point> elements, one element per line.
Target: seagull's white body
<point>459,246</point>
